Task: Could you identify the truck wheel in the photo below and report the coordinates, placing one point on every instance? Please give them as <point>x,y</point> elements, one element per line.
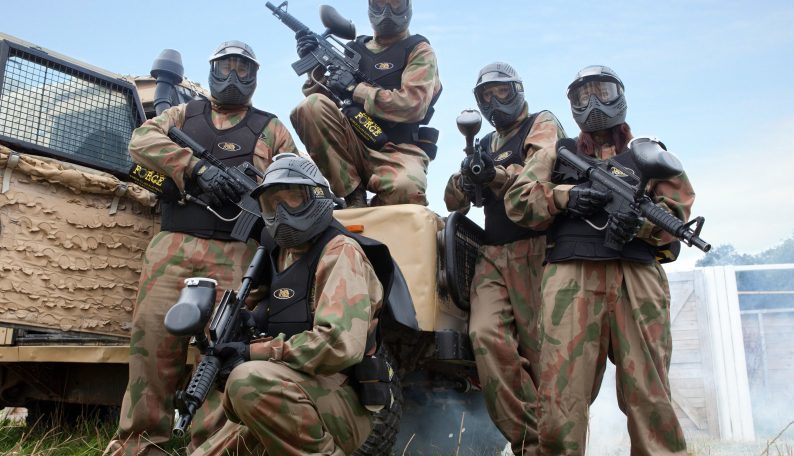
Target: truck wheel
<point>386,423</point>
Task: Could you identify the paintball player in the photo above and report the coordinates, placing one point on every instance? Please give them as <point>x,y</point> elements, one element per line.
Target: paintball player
<point>291,395</point>
<point>597,301</point>
<point>404,66</point>
<point>192,241</point>
<point>505,292</point>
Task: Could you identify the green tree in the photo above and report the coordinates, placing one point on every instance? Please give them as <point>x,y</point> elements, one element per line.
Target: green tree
<point>727,254</point>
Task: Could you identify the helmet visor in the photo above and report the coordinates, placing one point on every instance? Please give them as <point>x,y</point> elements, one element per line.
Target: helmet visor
<point>396,6</point>
<point>505,92</point>
<point>244,68</point>
<point>293,197</point>
<point>606,91</point>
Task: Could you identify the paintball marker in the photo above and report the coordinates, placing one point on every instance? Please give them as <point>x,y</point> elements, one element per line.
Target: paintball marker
<point>189,316</point>
<point>328,55</point>
<point>469,123</point>
<point>167,70</point>
<point>653,162</point>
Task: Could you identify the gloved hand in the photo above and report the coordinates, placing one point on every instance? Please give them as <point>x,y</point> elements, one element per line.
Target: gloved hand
<point>232,354</point>
<point>306,43</point>
<point>220,188</point>
<point>467,187</point>
<point>584,201</point>
<point>341,82</point>
<point>487,173</point>
<point>624,226</point>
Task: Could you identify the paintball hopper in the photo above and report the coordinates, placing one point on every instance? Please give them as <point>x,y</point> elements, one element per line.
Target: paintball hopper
<point>653,161</point>
<point>469,122</point>
<point>193,308</point>
<point>335,24</point>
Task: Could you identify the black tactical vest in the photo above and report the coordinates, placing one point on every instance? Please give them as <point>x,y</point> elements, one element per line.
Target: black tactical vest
<point>499,229</point>
<point>572,238</point>
<point>287,308</point>
<point>232,146</point>
<point>385,69</point>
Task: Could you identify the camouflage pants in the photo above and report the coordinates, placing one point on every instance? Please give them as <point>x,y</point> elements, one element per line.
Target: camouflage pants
<point>590,308</point>
<point>396,175</point>
<point>276,410</point>
<point>503,327</point>
<point>157,360</point>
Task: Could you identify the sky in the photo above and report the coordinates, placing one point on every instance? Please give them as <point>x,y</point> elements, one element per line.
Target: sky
<point>711,78</point>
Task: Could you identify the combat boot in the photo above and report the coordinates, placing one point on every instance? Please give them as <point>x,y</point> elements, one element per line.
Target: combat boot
<point>357,198</point>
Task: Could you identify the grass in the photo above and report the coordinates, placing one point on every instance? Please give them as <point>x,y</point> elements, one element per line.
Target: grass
<point>81,436</point>
<point>88,436</point>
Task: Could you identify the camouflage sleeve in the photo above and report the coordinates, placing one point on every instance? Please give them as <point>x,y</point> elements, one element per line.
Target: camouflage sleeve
<point>545,132</point>
<point>673,195</point>
<point>454,197</point>
<point>151,147</point>
<point>275,139</point>
<point>348,295</point>
<point>419,84</point>
<point>533,200</point>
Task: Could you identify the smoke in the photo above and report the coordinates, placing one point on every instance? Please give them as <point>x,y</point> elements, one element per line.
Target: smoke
<point>608,432</point>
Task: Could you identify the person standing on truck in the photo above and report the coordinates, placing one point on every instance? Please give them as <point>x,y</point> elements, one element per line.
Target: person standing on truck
<point>598,302</point>
<point>192,241</point>
<point>405,70</point>
<point>292,393</point>
<point>505,291</point>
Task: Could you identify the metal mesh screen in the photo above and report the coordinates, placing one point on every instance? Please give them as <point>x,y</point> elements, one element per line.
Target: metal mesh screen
<point>462,243</point>
<point>67,112</point>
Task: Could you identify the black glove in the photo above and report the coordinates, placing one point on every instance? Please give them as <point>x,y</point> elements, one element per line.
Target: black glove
<point>341,82</point>
<point>307,42</point>
<point>467,187</point>
<point>231,355</point>
<point>624,226</point>
<point>584,201</point>
<point>220,188</point>
<point>487,173</point>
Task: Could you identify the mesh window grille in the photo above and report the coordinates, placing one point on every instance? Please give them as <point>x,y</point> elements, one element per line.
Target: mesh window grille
<point>66,112</point>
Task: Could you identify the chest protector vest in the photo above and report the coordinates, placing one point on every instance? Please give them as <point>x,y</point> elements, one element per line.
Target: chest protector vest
<point>232,146</point>
<point>287,308</point>
<point>572,238</point>
<point>499,229</point>
<point>385,69</point>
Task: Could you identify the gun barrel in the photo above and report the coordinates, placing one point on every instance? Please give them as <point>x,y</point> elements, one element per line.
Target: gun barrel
<point>672,225</point>
<point>196,392</point>
<point>288,19</point>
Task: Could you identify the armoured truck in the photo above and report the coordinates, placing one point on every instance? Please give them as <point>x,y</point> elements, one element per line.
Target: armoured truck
<point>73,230</point>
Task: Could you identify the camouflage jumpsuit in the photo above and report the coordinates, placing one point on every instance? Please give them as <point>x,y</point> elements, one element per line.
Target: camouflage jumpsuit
<point>397,174</point>
<point>505,301</point>
<point>590,308</point>
<point>157,362</point>
<point>292,398</point>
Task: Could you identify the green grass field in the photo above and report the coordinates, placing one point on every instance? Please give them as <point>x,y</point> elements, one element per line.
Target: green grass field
<point>88,436</point>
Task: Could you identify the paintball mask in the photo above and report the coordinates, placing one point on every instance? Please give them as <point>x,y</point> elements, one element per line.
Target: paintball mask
<point>296,201</point>
<point>233,68</point>
<point>389,17</point>
<point>500,94</point>
<point>597,100</point>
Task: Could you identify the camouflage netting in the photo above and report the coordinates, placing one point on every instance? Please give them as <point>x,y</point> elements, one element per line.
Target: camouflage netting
<point>69,257</point>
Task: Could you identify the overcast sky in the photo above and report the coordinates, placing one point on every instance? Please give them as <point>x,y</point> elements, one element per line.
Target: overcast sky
<point>712,79</point>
